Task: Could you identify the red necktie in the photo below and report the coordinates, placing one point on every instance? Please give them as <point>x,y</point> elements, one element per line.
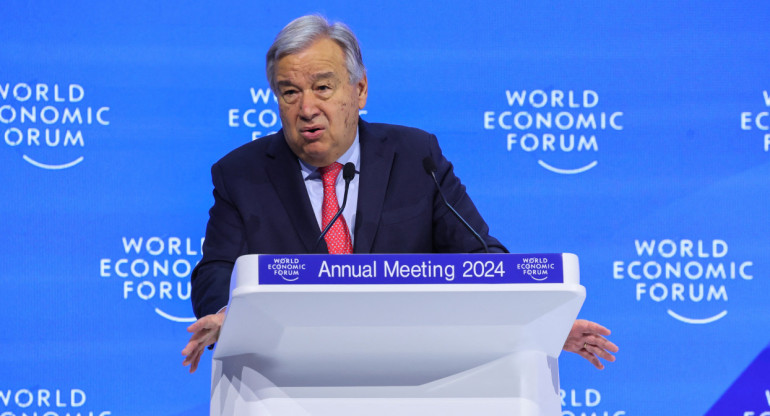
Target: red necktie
<point>338,237</point>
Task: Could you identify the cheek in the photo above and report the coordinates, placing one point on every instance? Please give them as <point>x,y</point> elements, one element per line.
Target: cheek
<point>350,111</point>
<point>292,139</point>
<point>286,113</point>
<point>351,115</point>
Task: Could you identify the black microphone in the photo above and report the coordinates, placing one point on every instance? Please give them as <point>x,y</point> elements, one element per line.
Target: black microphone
<point>430,167</point>
<point>348,173</point>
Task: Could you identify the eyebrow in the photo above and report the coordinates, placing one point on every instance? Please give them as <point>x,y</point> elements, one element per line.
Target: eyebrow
<point>313,78</point>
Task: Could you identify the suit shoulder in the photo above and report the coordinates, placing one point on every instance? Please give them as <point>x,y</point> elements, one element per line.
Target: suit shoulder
<point>404,137</point>
<point>395,130</point>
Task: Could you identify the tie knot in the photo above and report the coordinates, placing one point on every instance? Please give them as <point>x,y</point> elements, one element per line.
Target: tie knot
<point>329,173</point>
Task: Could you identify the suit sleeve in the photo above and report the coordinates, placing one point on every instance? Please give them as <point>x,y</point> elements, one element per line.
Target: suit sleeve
<point>449,234</point>
<point>224,242</point>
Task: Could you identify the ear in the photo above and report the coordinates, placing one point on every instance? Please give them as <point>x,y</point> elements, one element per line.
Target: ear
<point>362,87</point>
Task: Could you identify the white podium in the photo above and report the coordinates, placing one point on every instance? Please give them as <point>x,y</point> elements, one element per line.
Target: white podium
<point>304,336</point>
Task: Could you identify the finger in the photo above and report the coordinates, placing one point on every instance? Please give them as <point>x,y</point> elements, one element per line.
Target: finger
<point>591,358</point>
<point>573,346</point>
<point>199,336</point>
<point>608,345</point>
<point>588,327</point>
<point>190,347</point>
<point>593,349</point>
<point>200,340</point>
<point>190,360</point>
<point>195,326</point>
<point>195,361</point>
<point>576,342</point>
<point>602,343</point>
<point>606,355</point>
<point>190,352</point>
<point>187,360</point>
<point>207,322</point>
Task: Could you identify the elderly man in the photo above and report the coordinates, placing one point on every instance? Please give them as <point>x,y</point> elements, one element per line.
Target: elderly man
<point>275,195</point>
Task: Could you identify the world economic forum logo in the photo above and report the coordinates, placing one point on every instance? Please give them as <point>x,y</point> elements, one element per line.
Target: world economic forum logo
<point>47,401</point>
<point>690,278</point>
<point>287,268</point>
<point>48,123</point>
<point>585,402</point>
<point>562,128</point>
<point>155,271</point>
<point>537,268</point>
<point>759,121</point>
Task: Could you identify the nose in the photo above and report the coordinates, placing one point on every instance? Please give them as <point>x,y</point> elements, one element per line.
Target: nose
<point>308,106</point>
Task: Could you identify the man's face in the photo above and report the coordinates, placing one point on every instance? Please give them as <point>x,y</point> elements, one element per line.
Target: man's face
<point>318,105</point>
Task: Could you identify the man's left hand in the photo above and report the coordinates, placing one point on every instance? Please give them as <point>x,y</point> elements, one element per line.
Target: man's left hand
<point>205,332</point>
<point>587,339</point>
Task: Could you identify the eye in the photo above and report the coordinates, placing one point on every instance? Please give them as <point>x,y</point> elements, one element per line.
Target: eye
<point>324,90</point>
<point>289,95</point>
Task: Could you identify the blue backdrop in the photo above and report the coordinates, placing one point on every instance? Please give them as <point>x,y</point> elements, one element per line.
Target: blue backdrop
<point>633,134</point>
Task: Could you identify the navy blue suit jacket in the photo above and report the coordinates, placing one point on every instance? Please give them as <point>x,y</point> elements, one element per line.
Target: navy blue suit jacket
<point>261,206</point>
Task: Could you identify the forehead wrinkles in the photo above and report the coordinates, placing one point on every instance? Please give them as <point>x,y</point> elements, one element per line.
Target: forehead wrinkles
<point>307,66</point>
<point>320,76</point>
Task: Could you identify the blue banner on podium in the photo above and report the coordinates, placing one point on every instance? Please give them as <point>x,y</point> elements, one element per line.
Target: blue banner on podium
<point>318,269</point>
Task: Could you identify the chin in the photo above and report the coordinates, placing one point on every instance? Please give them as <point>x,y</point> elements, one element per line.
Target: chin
<point>316,150</point>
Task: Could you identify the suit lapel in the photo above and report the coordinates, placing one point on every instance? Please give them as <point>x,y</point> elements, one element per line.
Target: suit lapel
<point>284,173</point>
<point>376,161</point>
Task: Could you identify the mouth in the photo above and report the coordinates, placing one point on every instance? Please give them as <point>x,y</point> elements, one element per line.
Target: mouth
<point>311,132</point>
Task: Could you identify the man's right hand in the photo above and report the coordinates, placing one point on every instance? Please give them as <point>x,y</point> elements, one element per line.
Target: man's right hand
<point>205,332</point>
